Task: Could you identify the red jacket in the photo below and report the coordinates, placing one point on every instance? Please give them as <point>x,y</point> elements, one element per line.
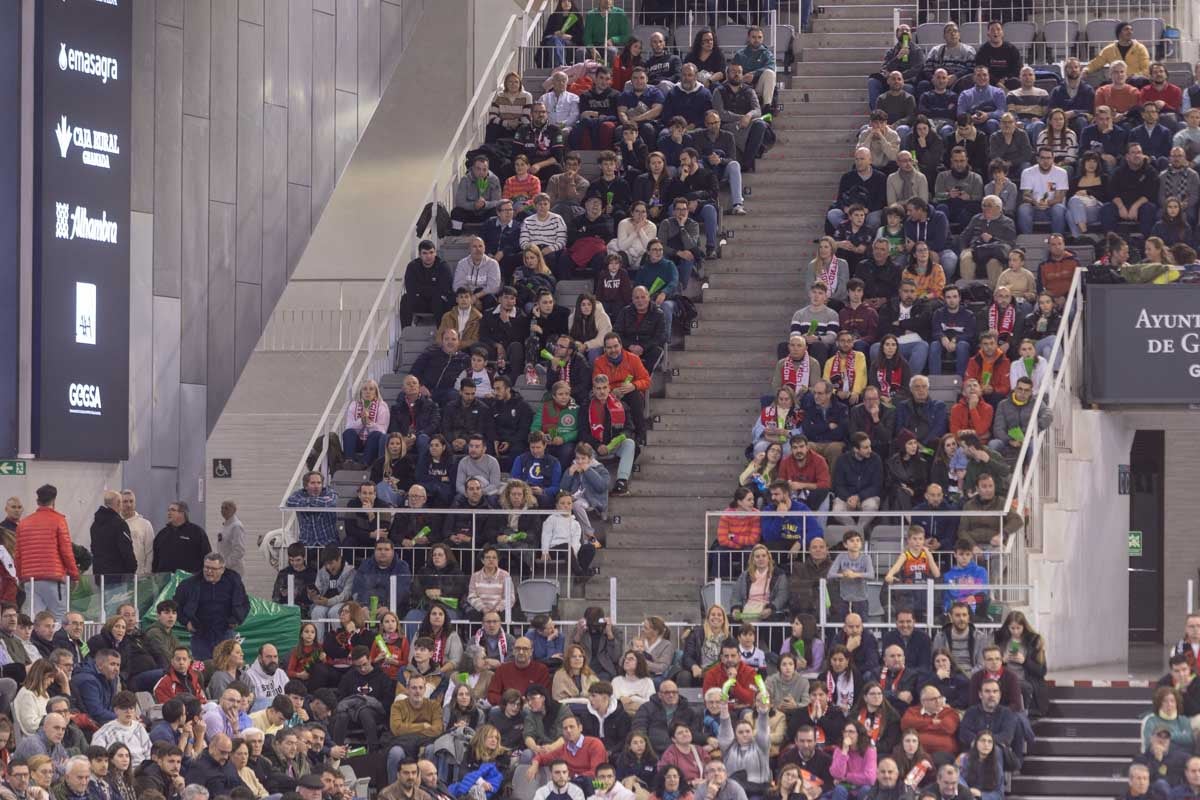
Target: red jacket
<point>744,691</point>
<point>998,368</point>
<point>169,685</point>
<point>44,547</point>
<point>510,676</point>
<point>815,470</point>
<point>936,733</point>
<point>630,366</point>
<point>962,417</point>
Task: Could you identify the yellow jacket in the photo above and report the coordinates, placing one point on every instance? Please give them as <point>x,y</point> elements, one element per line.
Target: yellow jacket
<point>1138,59</point>
<point>860,371</point>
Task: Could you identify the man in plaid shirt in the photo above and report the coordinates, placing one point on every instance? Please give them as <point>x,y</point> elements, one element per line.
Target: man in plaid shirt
<point>316,530</point>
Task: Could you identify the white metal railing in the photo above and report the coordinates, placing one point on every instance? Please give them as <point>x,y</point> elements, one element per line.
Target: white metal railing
<point>311,329</point>
<point>885,546</point>
<point>1035,477</point>
<point>371,354</point>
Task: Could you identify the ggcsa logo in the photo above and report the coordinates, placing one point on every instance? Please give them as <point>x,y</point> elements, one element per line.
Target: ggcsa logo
<point>83,398</point>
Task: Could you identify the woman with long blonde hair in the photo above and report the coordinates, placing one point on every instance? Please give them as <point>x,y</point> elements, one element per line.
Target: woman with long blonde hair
<point>702,647</point>
<point>761,591</point>
<point>367,420</point>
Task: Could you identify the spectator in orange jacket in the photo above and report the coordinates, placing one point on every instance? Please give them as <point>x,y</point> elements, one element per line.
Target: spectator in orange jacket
<point>628,378</point>
<point>44,555</point>
<point>990,366</point>
<point>972,412</point>
<point>935,722</point>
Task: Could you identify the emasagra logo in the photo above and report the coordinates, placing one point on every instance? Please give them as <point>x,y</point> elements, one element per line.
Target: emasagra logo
<point>95,146</point>
<point>77,224</point>
<point>102,67</point>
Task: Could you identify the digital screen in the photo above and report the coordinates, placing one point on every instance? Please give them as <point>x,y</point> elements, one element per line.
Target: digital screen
<point>10,220</point>
<point>81,259</point>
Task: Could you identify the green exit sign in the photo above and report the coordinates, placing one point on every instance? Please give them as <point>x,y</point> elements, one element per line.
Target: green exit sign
<point>1135,543</point>
<point>12,467</point>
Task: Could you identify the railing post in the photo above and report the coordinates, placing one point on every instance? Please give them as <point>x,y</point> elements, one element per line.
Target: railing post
<point>929,595</point>
<point>508,602</point>
<point>716,593</point>
<point>1191,598</point>
<point>103,607</point>
<point>822,609</point>
<point>291,595</point>
<point>612,599</point>
<point>392,594</point>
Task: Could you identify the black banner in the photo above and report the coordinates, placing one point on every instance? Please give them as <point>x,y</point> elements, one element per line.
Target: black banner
<point>1142,344</point>
<point>81,270</point>
<point>10,221</point>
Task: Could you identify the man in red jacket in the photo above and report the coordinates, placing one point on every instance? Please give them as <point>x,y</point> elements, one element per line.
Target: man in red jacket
<point>743,692</point>
<point>44,555</point>
<point>520,673</point>
<point>934,721</point>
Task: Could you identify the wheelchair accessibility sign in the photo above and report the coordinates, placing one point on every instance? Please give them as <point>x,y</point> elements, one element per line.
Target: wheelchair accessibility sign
<point>222,467</point>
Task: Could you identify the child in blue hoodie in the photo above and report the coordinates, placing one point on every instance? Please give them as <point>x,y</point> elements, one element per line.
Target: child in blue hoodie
<point>966,572</point>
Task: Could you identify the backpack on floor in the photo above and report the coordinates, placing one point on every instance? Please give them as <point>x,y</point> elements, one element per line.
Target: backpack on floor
<point>442,221</point>
<point>685,313</point>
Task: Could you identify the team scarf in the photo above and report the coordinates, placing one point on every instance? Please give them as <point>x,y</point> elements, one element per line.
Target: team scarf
<point>872,722</point>
<point>841,687</point>
<point>820,729</point>
<point>843,364</point>
<point>439,647</point>
<point>770,417</point>
<point>1006,323</point>
<point>501,644</point>
<point>616,415</point>
<point>795,376</point>
<point>829,274</point>
<point>372,413</point>
<point>888,377</point>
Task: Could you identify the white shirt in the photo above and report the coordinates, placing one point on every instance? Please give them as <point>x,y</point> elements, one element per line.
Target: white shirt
<point>561,109</point>
<point>143,542</point>
<point>1038,183</point>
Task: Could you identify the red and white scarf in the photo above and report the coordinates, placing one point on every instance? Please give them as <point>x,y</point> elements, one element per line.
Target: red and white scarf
<point>501,643</point>
<point>770,417</point>
<point>616,415</point>
<point>843,364</point>
<point>1006,323</point>
<point>794,376</point>
<point>828,275</point>
<point>372,412</point>
<point>872,722</point>
<point>439,648</point>
<point>887,379</point>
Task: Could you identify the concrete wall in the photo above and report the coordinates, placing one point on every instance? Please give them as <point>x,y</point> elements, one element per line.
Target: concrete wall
<point>245,112</point>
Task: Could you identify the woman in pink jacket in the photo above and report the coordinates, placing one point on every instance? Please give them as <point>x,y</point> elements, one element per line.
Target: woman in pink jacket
<point>854,760</point>
<point>366,426</point>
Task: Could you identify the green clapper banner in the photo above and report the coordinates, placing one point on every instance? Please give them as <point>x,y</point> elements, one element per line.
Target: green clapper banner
<point>267,622</point>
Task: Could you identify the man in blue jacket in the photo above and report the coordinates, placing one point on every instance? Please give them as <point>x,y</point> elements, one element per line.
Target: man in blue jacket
<point>374,578</point>
<point>921,414</point>
<point>212,605</point>
<point>660,276</point>
<point>758,61</point>
<point>791,533</point>
<point>95,682</point>
<point>925,224</point>
<point>858,477</point>
<point>689,99</point>
<point>826,421</point>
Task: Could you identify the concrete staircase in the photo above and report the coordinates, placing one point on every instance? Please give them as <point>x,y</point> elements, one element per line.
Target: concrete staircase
<point>1084,745</point>
<point>702,424</point>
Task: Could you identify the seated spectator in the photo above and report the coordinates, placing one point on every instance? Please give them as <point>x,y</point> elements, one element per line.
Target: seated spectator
<point>1058,136</point>
<point>532,278</point>
<point>663,67</point>
<point>857,477</point>
<point>558,418</point>
<point>568,188</point>
<point>758,62</point>
<point>392,474</point>
<point>806,473</point>
<point>1003,58</point>
<point>905,58</point>
<point>817,322</point>
<point>658,188</point>
<point>465,417</point>
<point>1010,143</point>
<point>542,143</point>
<point>1028,364</point>
<point>587,237</point>
<point>562,106</point>
<point>126,730</point>
<point>1074,96</point>
<point>641,104</point>
<point>598,119</point>
<point>987,239</point>
<point>680,237</point>
<point>544,228</point>
<point>1154,137</point>
<point>1188,136</point>
<point>607,426</point>
<point>735,533</point>
<point>464,318</point>
<point>863,186</point>
<point>935,722</point>
<point>882,140</point>
<point>373,578</point>
<point>952,330</point>
<point>503,331</point>
<point>853,238</point>
<point>898,103</point>
<point>983,102</point>
<point>958,190</point>
<point>987,531</point>
<point>797,369</point>
<point>925,272</point>
<point>825,421</point>
<point>643,326</point>
<point>972,412</point>
<point>95,683</point>
<point>1020,282</point>
<point>981,460</point>
<point>889,373</point>
<point>952,56</point>
<point>990,367</point>
<point>1043,194</point>
<point>1126,50</point>
<point>1013,416</point>
<point>717,151</point>
<point>547,322</point>
<point>921,414</point>
<point>428,285</point>
<point>874,418</point>
<point>413,720</point>
<point>689,98</point>
<point>1042,323</point>
<point>1121,97</point>
<point>436,370</point>
<point>736,105</point>
<point>846,370</point>
<point>972,139</point>
<point>1169,231</point>
<point>660,276</point>
<point>334,582</point>
<point>1105,138</point>
<point>586,479</point>
<point>362,529</point>
<point>905,473</point>
<point>1028,103</point>
<point>627,377</point>
<point>520,188</point>
<point>791,533</point>
<point>908,319</point>
<point>1166,97</point>
<point>858,318</point>
<point>509,110</point>
<point>477,195</point>
<point>929,225</point>
<point>991,715</point>
<point>614,191</point>
<point>1180,181</point>
<point>927,148</point>
<point>634,235</point>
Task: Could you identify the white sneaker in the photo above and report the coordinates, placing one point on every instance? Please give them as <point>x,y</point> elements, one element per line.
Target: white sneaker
<point>738,210</point>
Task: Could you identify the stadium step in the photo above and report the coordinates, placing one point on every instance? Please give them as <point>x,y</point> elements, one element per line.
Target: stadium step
<point>694,356</point>
<point>1068,785</point>
<point>682,422</point>
<point>864,11</point>
<point>665,473</point>
<point>740,312</point>
<point>691,406</point>
<point>690,454</point>
<point>733,389</point>
<point>807,70</point>
<point>849,122</point>
<point>742,344</point>
<point>1090,766</point>
<point>683,374</point>
<point>679,487</point>
<point>691,356</point>
<point>781,295</point>
<point>881,23</point>
<point>846,92</point>
<point>848,39</point>
<point>730,436</point>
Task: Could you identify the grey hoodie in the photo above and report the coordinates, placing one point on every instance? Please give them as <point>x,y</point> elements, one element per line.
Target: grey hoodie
<point>754,758</point>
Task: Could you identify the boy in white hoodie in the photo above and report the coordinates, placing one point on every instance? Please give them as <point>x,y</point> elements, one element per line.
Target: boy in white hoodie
<point>562,527</point>
<point>126,729</point>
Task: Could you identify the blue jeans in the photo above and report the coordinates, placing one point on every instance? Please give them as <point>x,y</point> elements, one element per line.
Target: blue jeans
<point>1146,216</point>
<point>1081,213</point>
<point>203,643</point>
<point>686,268</point>
<point>708,215</point>
<point>1032,129</point>
<point>915,353</point>
<point>754,140</point>
<point>732,171</point>
<point>144,681</point>
<point>49,596</point>
<point>668,309</point>
<point>559,46</point>
<point>949,264</point>
<point>624,455</point>
<point>370,449</point>
<point>962,353</point>
<point>1027,214</point>
<point>836,217</point>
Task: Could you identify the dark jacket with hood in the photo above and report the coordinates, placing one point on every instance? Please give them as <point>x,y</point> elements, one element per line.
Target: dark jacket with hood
<point>112,544</point>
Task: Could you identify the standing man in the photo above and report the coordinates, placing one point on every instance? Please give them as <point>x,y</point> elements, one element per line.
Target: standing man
<point>316,529</point>
<point>211,605</point>
<point>140,530</point>
<point>231,540</point>
<point>181,544</point>
<point>112,542</point>
<point>44,555</point>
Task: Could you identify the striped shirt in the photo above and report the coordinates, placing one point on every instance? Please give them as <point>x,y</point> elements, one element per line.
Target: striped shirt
<point>551,231</point>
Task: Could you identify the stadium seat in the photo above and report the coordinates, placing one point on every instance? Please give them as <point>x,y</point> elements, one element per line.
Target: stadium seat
<point>683,35</point>
<point>1099,32</point>
<point>731,36</point>
<point>946,388</point>
<point>1060,36</point>
<point>973,33</point>
<point>644,32</point>
<point>1148,31</point>
<point>929,34</point>
<point>537,596</point>
<point>1179,73</point>
<point>1021,34</point>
